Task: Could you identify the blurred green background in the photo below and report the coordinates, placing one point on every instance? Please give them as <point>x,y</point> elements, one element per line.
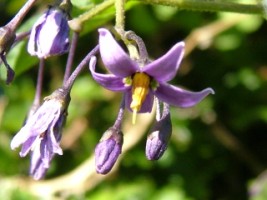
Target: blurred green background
<point>218,149</point>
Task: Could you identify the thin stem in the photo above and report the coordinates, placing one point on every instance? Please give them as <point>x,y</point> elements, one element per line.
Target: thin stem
<point>143,55</point>
<point>77,23</point>
<point>69,64</point>
<point>199,5</point>
<point>79,68</point>
<point>212,6</point>
<point>14,23</point>
<point>21,36</point>
<point>158,108</point>
<point>38,92</point>
<point>10,72</point>
<point>120,15</point>
<point>117,124</point>
<point>39,84</point>
<point>166,110</point>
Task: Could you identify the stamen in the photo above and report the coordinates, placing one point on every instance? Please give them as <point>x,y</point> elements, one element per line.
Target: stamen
<point>140,88</point>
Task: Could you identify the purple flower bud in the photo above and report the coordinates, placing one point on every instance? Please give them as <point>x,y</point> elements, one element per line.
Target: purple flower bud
<point>158,138</point>
<point>50,34</point>
<point>108,150</point>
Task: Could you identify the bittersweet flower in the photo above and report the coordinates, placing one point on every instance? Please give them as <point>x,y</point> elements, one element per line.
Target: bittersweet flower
<point>142,81</point>
<point>41,133</point>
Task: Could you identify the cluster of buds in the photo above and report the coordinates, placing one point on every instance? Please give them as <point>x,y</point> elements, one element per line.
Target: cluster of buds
<point>109,147</point>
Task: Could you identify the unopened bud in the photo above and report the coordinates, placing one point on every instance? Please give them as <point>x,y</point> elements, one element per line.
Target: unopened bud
<point>158,138</point>
<point>50,34</point>
<point>108,150</point>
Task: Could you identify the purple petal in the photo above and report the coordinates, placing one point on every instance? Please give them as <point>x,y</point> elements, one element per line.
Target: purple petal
<point>155,147</point>
<point>114,57</point>
<point>61,41</point>
<point>38,122</point>
<point>53,141</point>
<point>165,68</point>
<point>108,81</point>
<point>27,146</point>
<point>46,151</point>
<point>147,104</point>
<point>37,168</point>
<point>34,34</point>
<point>49,146</point>
<point>23,135</point>
<point>179,97</point>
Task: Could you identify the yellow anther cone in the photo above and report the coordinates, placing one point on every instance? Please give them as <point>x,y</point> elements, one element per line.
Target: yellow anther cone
<point>140,88</point>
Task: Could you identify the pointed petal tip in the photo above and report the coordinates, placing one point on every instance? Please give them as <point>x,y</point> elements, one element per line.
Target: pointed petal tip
<point>210,90</point>
<point>182,44</point>
<point>103,31</point>
<point>59,151</point>
<point>92,63</point>
<point>179,97</point>
<point>22,154</point>
<point>14,143</point>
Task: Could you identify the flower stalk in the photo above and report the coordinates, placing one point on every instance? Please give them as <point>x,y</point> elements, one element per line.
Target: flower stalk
<point>14,23</point>
<point>120,15</point>
<point>76,24</point>
<point>68,84</point>
<point>38,91</point>
<point>200,5</point>
<point>71,54</point>
<point>211,6</point>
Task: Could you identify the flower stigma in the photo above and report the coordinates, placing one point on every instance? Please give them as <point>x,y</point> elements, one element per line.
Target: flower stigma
<point>140,88</point>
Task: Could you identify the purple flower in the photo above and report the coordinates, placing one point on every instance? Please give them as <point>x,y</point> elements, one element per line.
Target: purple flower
<point>41,133</point>
<point>50,34</point>
<point>142,81</point>
<point>108,150</point>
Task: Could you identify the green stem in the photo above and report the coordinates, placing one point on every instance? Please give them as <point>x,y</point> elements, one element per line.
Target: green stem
<point>212,6</point>
<point>77,23</point>
<point>197,5</point>
<point>120,15</point>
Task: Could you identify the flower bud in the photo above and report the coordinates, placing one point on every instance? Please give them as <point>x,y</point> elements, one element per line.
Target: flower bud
<point>108,150</point>
<point>158,138</point>
<point>50,34</point>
